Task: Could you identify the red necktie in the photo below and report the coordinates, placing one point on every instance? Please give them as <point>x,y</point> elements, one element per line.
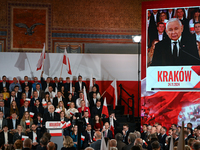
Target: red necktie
<point>105,133</point>
<point>13,99</point>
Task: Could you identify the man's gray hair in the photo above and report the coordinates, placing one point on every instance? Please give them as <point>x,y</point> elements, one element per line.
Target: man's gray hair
<point>50,106</point>
<point>119,137</point>
<point>131,138</point>
<point>173,20</point>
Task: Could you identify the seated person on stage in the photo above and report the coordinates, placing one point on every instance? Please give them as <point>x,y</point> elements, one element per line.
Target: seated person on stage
<point>39,91</point>
<point>52,94</point>
<point>13,123</point>
<point>4,83</point>
<point>58,99</point>
<point>51,115</point>
<point>106,132</point>
<point>26,83</point>
<point>115,122</point>
<point>13,98</point>
<point>35,83</point>
<point>74,136</point>
<point>67,85</point>
<point>97,143</point>
<point>88,133</point>
<point>46,84</point>
<point>98,123</point>
<point>79,85</point>
<point>26,122</point>
<point>72,110</point>
<point>37,108</point>
<point>86,119</point>
<point>14,108</point>
<point>96,110</point>
<point>18,93</point>
<point>34,135</point>
<point>3,121</point>
<point>74,93</point>
<point>69,100</point>
<point>27,92</point>
<point>38,120</point>
<point>23,99</point>
<point>35,97</point>
<point>6,136</point>
<point>83,108</point>
<point>5,110</point>
<point>24,108</point>
<point>62,116</point>
<point>46,99</point>
<point>62,107</point>
<point>18,134</point>
<point>78,100</point>
<point>46,107</point>
<point>15,83</point>
<point>5,93</point>
<point>93,100</point>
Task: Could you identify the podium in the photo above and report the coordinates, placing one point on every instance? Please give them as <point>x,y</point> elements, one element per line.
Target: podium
<point>56,131</point>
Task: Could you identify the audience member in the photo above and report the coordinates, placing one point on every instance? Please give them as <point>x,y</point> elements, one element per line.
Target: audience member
<point>18,134</point>
<point>18,145</point>
<point>97,144</point>
<point>125,133</point>
<point>68,144</point>
<point>4,83</point>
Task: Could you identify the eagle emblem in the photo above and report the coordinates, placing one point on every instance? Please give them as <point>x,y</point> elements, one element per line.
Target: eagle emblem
<point>29,30</point>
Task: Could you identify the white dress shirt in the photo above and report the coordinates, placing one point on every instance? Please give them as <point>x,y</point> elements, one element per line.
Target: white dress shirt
<point>6,137</point>
<point>34,137</point>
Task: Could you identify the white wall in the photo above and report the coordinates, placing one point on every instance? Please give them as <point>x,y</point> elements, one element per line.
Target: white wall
<point>103,66</point>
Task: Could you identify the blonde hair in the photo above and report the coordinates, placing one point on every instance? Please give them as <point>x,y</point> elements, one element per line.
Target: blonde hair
<point>29,118</point>
<point>63,107</point>
<point>68,142</point>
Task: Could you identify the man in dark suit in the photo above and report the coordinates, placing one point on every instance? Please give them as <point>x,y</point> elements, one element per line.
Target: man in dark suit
<point>96,110</point>
<point>4,109</point>
<point>6,136</point>
<point>26,83</point>
<point>4,83</point>
<point>178,49</point>
<point>46,84</point>
<point>86,119</point>
<point>115,121</point>
<point>60,83</point>
<point>55,84</point>
<point>40,92</point>
<point>79,85</point>
<point>35,97</point>
<point>59,98</point>
<point>197,31</point>
<point>170,13</point>
<point>18,94</point>
<point>125,133</point>
<point>162,139</point>
<point>131,139</point>
<point>27,92</point>
<point>96,145</point>
<point>23,109</point>
<point>51,115</point>
<point>12,123</point>
<point>3,121</point>
<point>120,143</point>
<point>13,98</point>
<point>88,133</point>
<point>144,133</point>
<point>37,109</point>
<point>94,84</point>
<point>35,136</point>
<point>106,132</point>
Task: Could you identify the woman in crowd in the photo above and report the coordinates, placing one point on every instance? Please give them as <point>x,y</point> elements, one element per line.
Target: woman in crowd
<point>38,120</point>
<point>18,134</point>
<point>62,116</point>
<point>62,107</point>
<point>26,122</point>
<point>98,123</point>
<point>163,18</point>
<point>46,99</point>
<point>68,144</point>
<point>62,90</point>
<point>196,18</point>
<point>69,99</point>
<point>151,52</point>
<point>72,110</point>
<point>18,145</point>
<point>83,108</point>
<point>23,99</point>
<point>74,136</point>
<point>13,108</point>
<point>5,93</point>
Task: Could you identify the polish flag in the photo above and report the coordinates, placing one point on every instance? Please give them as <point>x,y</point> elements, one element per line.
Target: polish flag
<point>71,113</point>
<point>55,132</point>
<point>41,60</point>
<point>112,90</point>
<point>28,99</point>
<point>41,120</point>
<point>82,138</point>
<point>105,108</point>
<point>192,27</point>
<point>31,114</point>
<point>27,122</point>
<point>85,97</point>
<point>112,127</point>
<point>91,84</point>
<point>70,89</point>
<point>58,110</point>
<point>44,104</point>
<point>66,125</point>
<point>68,103</point>
<point>103,143</point>
<point>24,137</point>
<point>94,139</point>
<point>62,122</point>
<point>66,62</point>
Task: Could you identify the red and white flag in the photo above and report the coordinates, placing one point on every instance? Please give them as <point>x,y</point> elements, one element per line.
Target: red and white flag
<point>71,113</point>
<point>55,132</point>
<point>41,60</point>
<point>94,139</point>
<point>112,127</point>
<point>112,90</point>
<point>105,108</point>
<point>31,114</point>
<point>82,138</point>
<point>62,122</point>
<point>41,120</point>
<point>24,137</point>
<point>66,124</point>
<point>68,103</point>
<point>27,122</point>
<point>58,110</point>
<point>44,104</point>
<point>91,84</point>
<point>85,97</point>
<point>66,62</point>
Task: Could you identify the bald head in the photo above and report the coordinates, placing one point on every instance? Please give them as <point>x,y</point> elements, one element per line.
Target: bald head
<point>27,143</point>
<point>98,135</point>
<point>51,146</point>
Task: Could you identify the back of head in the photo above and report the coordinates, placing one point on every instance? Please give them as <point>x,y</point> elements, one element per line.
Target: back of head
<point>138,141</point>
<point>119,137</point>
<point>47,135</point>
<point>51,146</point>
<point>18,144</point>
<point>113,143</point>
<point>137,134</point>
<point>27,143</point>
<point>98,135</point>
<point>191,141</point>
<point>196,146</point>
<point>43,141</point>
<point>136,148</point>
<point>68,142</point>
<point>132,137</point>
<point>89,148</point>
<point>155,145</point>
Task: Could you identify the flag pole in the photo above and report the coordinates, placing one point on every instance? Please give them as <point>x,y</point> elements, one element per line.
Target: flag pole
<point>102,94</point>
<point>61,70</point>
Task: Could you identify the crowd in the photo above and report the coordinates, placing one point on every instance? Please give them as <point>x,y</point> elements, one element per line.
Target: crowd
<point>26,107</point>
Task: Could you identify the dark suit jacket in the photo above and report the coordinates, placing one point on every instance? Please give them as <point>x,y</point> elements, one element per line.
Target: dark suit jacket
<point>6,112</point>
<point>77,86</point>
<point>44,84</point>
<point>38,132</point>
<point>96,111</point>
<point>109,134</point>
<point>162,140</point>
<point>17,101</point>
<point>29,94</point>
<point>22,110</point>
<point>47,117</point>
<point>34,110</point>
<point>19,95</point>
<point>120,145</point>
<point>10,124</point>
<point>1,86</point>
<point>85,124</point>
<point>96,145</point>
<point>125,138</point>
<point>16,136</point>
<point>10,141</point>
<point>128,147</point>
<point>29,85</point>
<point>144,135</point>
<point>67,87</point>
<point>155,36</point>
<point>55,102</point>
<point>32,103</point>
<point>87,138</point>
<point>188,54</point>
<point>4,122</point>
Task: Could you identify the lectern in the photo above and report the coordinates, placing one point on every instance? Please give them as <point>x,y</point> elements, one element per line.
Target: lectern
<point>56,131</point>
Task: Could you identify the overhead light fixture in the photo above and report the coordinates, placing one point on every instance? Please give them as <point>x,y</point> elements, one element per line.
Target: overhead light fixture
<point>136,38</point>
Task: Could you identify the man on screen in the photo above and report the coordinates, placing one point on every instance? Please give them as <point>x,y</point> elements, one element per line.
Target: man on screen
<point>178,49</point>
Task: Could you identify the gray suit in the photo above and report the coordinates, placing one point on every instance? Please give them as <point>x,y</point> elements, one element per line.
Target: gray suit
<point>4,122</point>
<point>96,145</point>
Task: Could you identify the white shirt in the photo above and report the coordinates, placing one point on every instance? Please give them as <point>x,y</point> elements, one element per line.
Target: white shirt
<point>59,99</point>
<point>86,120</point>
<point>172,45</point>
<point>52,95</point>
<point>170,15</point>
<point>47,88</point>
<point>155,17</point>
<point>4,84</point>
<point>160,36</point>
<point>38,92</point>
<point>11,99</point>
<point>1,121</point>
<point>80,84</point>
<point>25,109</point>
<point>186,12</point>
<point>34,137</point>
<point>95,100</point>
<point>197,37</point>
<point>6,137</point>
